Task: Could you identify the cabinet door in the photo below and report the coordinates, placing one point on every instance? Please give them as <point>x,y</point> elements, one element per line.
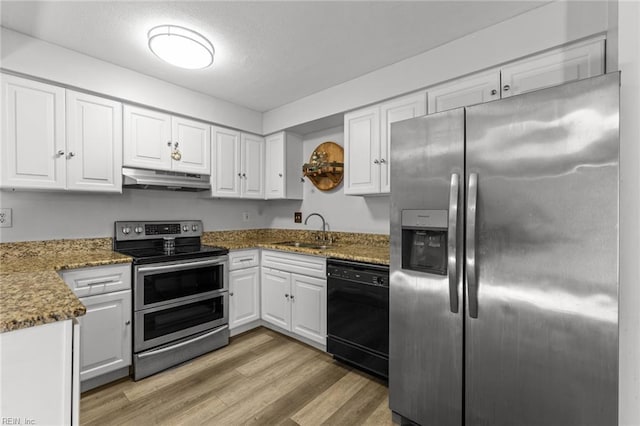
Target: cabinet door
<point>362,152</point>
<point>475,89</point>
<point>105,334</point>
<point>553,68</point>
<point>404,108</point>
<point>33,134</point>
<point>244,296</point>
<point>193,140</point>
<point>252,166</point>
<point>94,143</point>
<point>147,139</point>
<point>225,162</point>
<point>275,296</point>
<point>274,166</point>
<point>309,307</point>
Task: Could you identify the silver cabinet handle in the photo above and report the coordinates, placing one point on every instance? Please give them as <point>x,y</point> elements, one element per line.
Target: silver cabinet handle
<point>175,144</point>
<point>181,344</point>
<point>60,153</point>
<point>452,240</point>
<point>376,161</point>
<point>470,258</point>
<point>506,87</point>
<point>494,92</point>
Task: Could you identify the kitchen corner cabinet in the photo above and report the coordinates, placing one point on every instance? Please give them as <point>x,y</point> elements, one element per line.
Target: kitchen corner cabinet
<point>294,294</point>
<point>283,154</point>
<point>367,143</point>
<point>54,138</point>
<point>159,141</point>
<point>244,287</point>
<point>552,68</point>
<point>106,327</point>
<point>40,374</point>
<point>237,164</point>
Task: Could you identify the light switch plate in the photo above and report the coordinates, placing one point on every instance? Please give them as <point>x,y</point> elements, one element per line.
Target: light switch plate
<point>6,218</point>
<point>297,217</point>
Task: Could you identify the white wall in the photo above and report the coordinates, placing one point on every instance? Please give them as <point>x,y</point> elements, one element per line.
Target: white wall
<point>342,213</point>
<point>27,55</point>
<point>548,26</point>
<point>629,63</point>
<point>67,215</point>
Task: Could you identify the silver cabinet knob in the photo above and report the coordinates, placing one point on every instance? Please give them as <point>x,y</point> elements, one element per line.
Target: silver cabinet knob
<point>292,297</point>
<point>494,92</point>
<point>61,153</point>
<point>383,161</point>
<point>376,161</point>
<point>169,143</point>
<point>280,174</point>
<point>127,323</point>
<point>72,154</point>
<point>239,174</point>
<point>244,175</point>
<point>286,296</point>
<point>231,294</point>
<point>506,87</point>
<point>175,144</point>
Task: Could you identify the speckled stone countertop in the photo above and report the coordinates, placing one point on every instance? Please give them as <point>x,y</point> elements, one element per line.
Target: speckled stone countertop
<point>32,292</point>
<point>372,248</point>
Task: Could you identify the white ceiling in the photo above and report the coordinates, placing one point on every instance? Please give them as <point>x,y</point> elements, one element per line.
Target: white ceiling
<point>267,53</point>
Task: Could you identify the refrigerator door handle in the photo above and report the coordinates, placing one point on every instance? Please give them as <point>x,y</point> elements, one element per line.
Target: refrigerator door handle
<point>470,257</point>
<point>452,269</point>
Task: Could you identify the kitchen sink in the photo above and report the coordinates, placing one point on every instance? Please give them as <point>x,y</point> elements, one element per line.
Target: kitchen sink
<point>317,246</point>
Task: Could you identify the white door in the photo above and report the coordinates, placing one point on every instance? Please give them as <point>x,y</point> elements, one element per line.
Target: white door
<point>275,297</point>
<point>362,152</point>
<point>192,139</point>
<point>309,307</point>
<point>94,143</point>
<point>225,162</point>
<point>33,134</point>
<point>553,68</point>
<point>244,296</point>
<point>147,139</point>
<point>274,166</point>
<point>476,89</point>
<point>404,108</point>
<point>105,334</point>
<point>252,166</point>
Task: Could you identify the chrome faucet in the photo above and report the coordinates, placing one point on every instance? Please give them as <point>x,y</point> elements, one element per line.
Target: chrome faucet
<point>324,224</point>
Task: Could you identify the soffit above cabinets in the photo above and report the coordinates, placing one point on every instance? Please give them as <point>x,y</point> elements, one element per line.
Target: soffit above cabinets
<point>267,53</point>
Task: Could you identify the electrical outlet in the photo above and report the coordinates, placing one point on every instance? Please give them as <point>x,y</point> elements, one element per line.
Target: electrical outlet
<point>6,219</point>
<point>245,216</point>
<point>297,217</point>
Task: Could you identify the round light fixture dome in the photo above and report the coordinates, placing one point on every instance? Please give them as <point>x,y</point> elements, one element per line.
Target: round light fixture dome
<point>180,46</point>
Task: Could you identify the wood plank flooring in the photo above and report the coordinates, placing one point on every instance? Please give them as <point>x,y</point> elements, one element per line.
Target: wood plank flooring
<point>261,378</point>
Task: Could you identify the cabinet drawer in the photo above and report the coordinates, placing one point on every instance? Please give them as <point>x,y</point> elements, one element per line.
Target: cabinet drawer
<point>98,279</point>
<point>242,259</point>
<point>314,266</point>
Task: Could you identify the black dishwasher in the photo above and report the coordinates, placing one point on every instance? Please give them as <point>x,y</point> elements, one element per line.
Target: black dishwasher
<point>358,314</point>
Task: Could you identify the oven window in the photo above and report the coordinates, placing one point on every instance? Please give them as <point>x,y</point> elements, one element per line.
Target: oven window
<point>359,313</point>
<point>174,285</point>
<point>167,321</point>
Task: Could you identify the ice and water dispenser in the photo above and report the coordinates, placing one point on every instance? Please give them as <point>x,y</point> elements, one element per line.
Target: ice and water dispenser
<point>424,241</point>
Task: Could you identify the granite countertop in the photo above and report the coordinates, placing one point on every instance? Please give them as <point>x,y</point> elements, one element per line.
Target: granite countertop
<point>371,248</point>
<point>32,292</point>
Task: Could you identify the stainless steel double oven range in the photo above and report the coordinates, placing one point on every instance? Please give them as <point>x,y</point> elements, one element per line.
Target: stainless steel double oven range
<point>180,293</point>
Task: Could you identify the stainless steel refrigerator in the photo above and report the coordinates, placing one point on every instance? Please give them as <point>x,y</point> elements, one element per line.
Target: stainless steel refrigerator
<point>504,261</point>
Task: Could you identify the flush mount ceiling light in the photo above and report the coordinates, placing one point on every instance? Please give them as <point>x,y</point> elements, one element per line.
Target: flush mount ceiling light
<point>180,46</point>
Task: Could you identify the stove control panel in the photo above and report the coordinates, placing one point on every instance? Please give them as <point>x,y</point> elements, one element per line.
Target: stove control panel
<point>128,230</point>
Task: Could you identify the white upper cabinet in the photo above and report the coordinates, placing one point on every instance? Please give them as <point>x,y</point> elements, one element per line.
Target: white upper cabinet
<point>59,139</point>
<point>94,143</point>
<point>158,141</point>
<point>33,134</point>
<point>367,143</point>
<point>283,165</point>
<point>192,145</point>
<point>478,88</point>
<point>552,68</point>
<point>237,164</point>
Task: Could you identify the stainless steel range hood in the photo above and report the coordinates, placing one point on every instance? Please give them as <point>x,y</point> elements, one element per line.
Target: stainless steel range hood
<point>157,179</point>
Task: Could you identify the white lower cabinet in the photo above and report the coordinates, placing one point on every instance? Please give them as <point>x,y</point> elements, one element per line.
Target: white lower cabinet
<point>105,330</point>
<point>244,296</point>
<point>293,300</point>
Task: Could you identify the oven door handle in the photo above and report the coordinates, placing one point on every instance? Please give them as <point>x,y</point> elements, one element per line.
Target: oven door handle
<point>186,342</point>
<point>180,266</point>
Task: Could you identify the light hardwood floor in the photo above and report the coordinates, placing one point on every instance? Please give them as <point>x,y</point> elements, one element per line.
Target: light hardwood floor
<point>261,378</point>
